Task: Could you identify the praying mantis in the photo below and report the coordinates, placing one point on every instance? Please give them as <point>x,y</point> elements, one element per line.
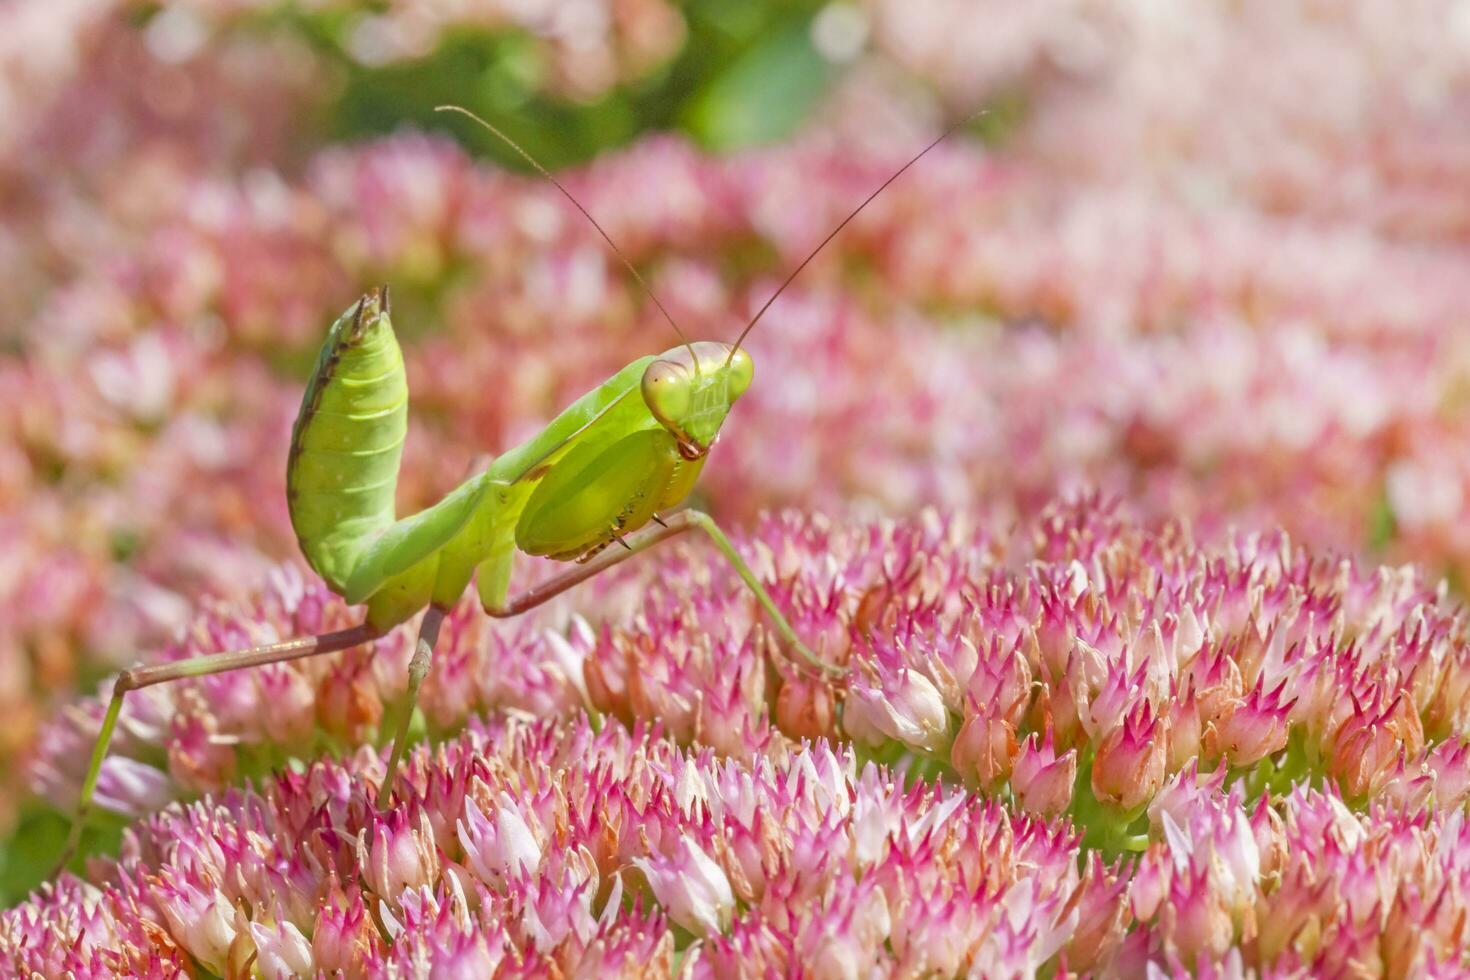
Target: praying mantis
<point>602,473</point>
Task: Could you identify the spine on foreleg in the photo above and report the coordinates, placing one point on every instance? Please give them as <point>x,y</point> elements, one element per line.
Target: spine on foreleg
<point>348,440</point>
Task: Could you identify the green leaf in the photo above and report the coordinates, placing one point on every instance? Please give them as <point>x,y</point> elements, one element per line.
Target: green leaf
<point>764,95</point>
<point>29,856</point>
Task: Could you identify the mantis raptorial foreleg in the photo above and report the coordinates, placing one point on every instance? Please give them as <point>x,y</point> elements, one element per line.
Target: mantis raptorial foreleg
<point>645,539</point>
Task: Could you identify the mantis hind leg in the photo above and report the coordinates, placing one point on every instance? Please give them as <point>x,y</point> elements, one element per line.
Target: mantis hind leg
<point>643,540</point>
<point>212,663</point>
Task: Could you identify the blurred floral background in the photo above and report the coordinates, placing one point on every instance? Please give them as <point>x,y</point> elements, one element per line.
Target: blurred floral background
<point>1193,290</point>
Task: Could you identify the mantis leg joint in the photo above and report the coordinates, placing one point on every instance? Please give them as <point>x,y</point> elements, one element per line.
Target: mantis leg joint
<point>423,652</point>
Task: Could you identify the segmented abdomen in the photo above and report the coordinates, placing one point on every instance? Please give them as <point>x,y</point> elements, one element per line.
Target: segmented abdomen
<point>348,440</point>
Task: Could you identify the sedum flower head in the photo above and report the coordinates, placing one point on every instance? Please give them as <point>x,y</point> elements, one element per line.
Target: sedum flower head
<point>1085,743</point>
<point>303,875</point>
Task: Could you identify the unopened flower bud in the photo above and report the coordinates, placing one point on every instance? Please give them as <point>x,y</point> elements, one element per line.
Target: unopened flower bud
<point>805,707</point>
<point>1129,765</point>
<point>1043,781</point>
<point>983,750</point>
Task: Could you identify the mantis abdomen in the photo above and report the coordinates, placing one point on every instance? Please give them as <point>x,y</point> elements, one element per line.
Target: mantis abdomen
<point>347,442</point>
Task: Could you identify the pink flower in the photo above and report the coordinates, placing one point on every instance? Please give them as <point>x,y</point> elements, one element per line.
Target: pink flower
<point>282,952</point>
<point>344,938</point>
<point>1103,917</point>
<point>1369,743</point>
<point>805,707</point>
<point>1043,780</point>
<point>1249,729</point>
<point>198,758</point>
<point>504,846</point>
<point>1129,765</point>
<point>1185,728</point>
<point>397,855</point>
<point>202,919</point>
<point>129,786</point>
<point>906,707</point>
<point>692,887</point>
<point>984,750</point>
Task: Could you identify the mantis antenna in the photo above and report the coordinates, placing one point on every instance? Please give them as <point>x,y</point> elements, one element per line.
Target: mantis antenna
<point>526,156</point>
<point>833,234</point>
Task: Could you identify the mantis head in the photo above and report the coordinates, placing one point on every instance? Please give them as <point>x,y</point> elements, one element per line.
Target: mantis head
<point>690,389</point>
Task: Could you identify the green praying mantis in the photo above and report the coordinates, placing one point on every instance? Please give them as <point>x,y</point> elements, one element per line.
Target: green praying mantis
<point>600,474</point>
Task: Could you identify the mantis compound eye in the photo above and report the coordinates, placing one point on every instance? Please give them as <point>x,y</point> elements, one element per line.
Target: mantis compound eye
<point>742,372</point>
<point>666,391</point>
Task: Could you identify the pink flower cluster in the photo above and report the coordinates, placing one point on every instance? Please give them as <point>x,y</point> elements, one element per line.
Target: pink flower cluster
<point>520,848</point>
<point>1243,715</point>
<point>523,847</point>
<point>1349,118</point>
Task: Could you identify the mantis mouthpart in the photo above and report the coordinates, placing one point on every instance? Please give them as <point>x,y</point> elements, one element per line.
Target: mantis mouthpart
<point>600,474</point>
